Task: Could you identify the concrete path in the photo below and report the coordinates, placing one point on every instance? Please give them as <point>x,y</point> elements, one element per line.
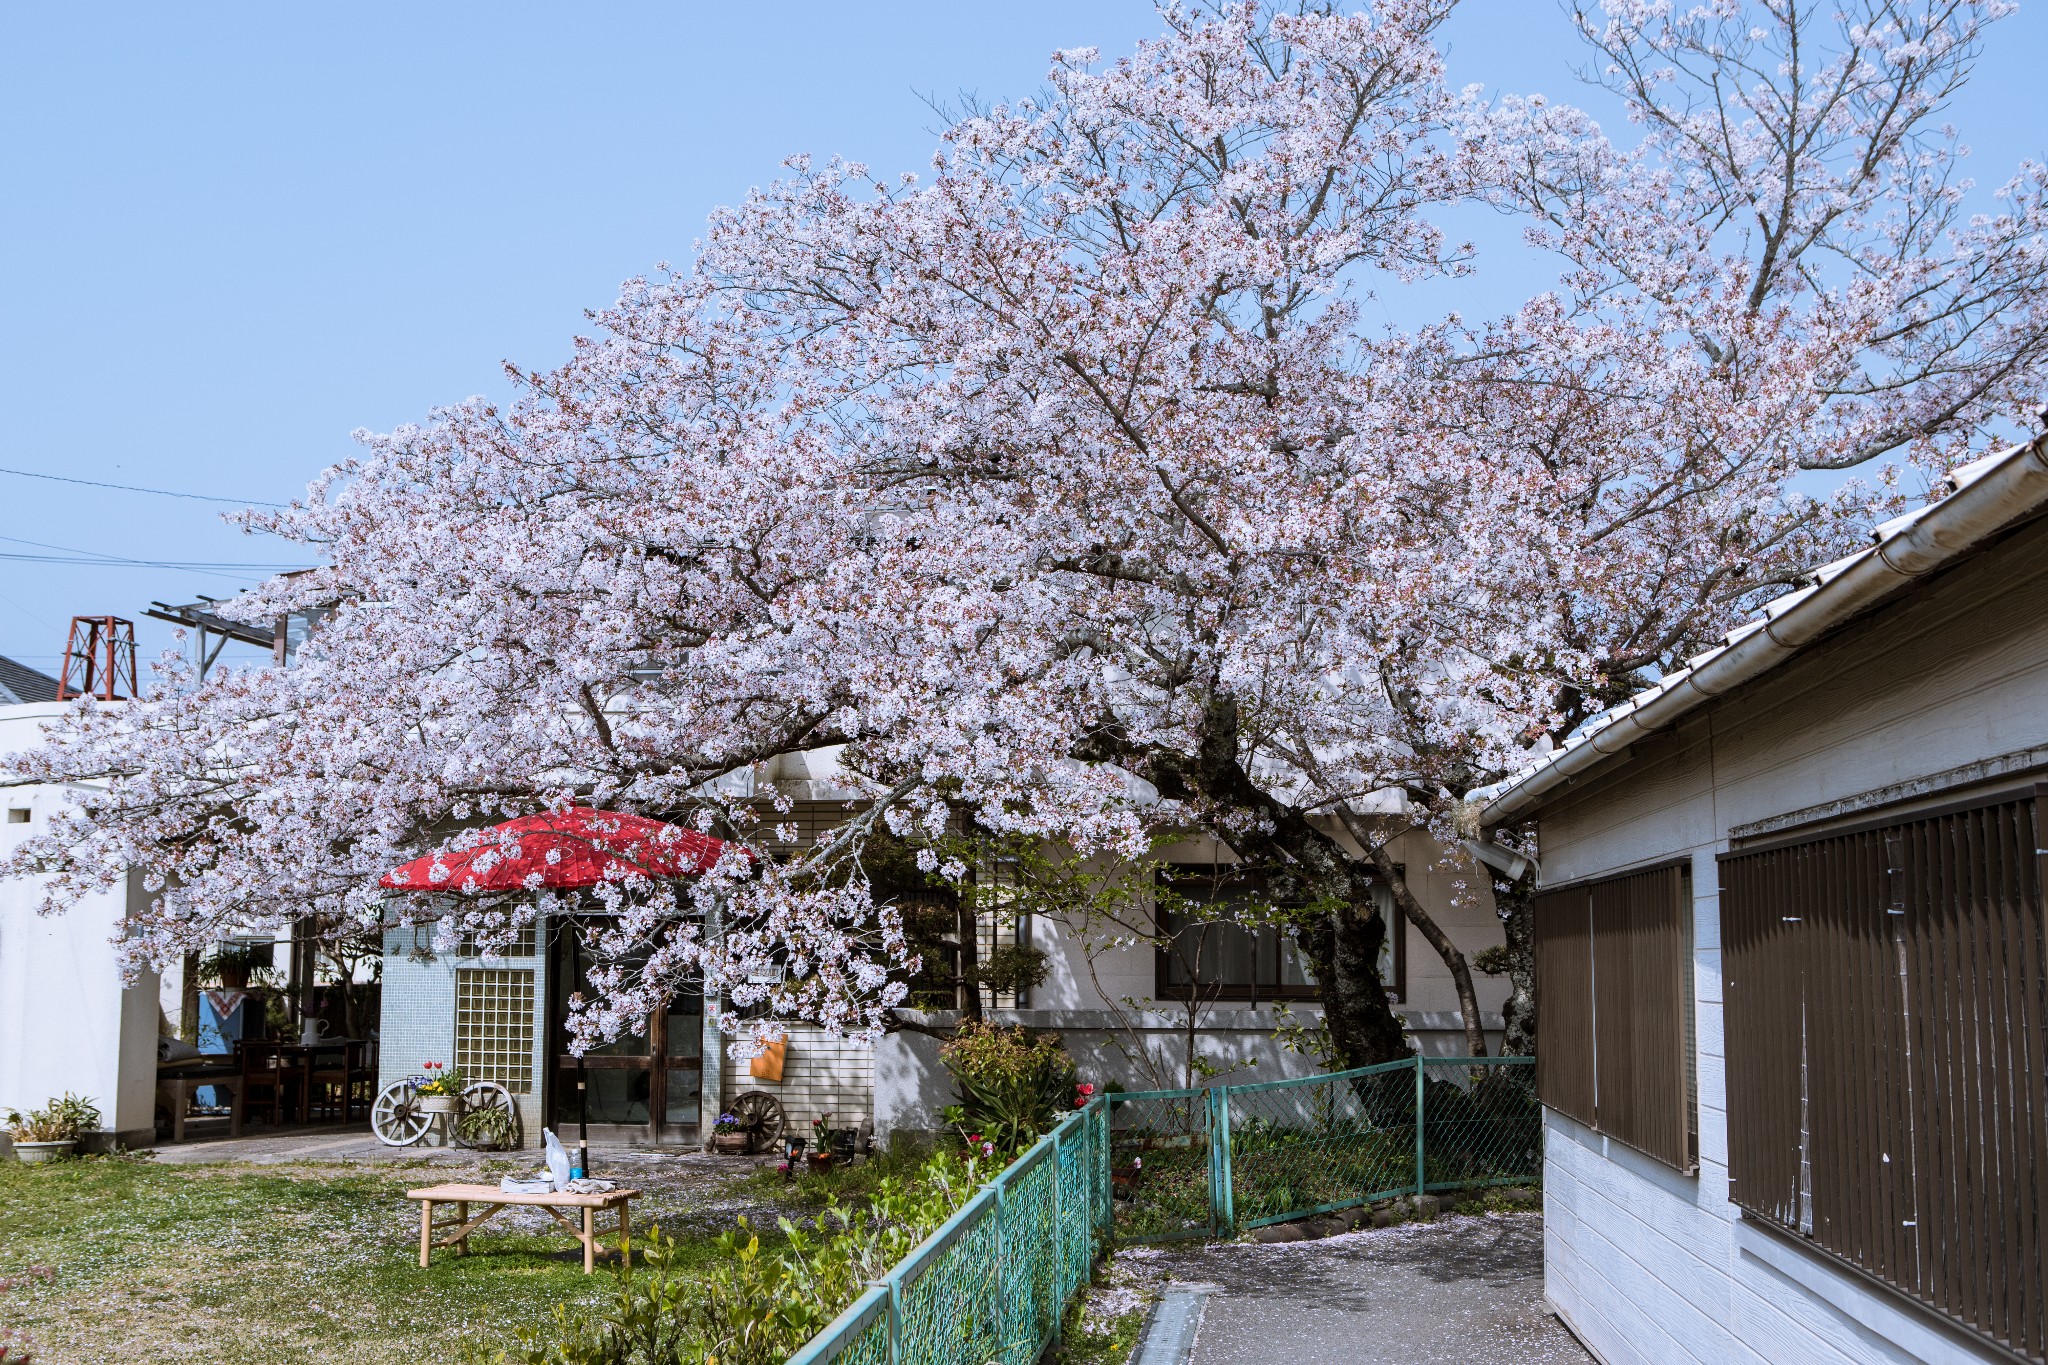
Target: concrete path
<point>1459,1291</point>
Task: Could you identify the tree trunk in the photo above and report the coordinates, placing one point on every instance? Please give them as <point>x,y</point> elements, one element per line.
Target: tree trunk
<point>1513,900</point>
<point>1434,935</point>
<point>188,999</point>
<point>1343,948</point>
<point>1387,870</point>
<point>970,958</point>
<point>1308,865</point>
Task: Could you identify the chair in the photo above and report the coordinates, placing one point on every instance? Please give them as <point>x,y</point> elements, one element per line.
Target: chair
<point>337,1077</point>
<point>263,1076</point>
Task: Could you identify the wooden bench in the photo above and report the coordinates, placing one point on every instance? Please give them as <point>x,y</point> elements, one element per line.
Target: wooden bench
<point>456,1234</point>
<point>177,1082</point>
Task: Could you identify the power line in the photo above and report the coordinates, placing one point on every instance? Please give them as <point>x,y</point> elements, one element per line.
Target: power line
<point>71,554</point>
<point>108,562</point>
<point>135,488</point>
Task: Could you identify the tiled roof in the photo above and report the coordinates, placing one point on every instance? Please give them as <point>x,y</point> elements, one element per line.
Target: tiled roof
<point>19,683</point>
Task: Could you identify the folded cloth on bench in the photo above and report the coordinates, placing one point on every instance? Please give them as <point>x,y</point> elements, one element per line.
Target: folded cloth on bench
<point>589,1185</point>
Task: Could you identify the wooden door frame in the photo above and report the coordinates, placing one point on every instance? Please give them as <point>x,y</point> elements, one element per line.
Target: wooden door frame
<point>560,1081</point>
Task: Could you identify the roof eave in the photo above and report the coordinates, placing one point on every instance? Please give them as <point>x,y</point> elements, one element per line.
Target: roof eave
<point>2007,489</point>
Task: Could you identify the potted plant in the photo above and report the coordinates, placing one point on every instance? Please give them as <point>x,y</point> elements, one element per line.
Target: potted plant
<point>729,1137</point>
<point>52,1131</point>
<point>236,965</point>
<point>821,1143</point>
<point>441,1091</point>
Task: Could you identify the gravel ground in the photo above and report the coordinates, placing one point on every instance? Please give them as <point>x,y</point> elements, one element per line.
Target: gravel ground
<point>1463,1290</point>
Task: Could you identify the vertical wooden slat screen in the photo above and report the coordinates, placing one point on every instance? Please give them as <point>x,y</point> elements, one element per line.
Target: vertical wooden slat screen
<point>1887,1022</point>
<point>1614,990</point>
<point>1641,989</point>
<point>1564,1002</point>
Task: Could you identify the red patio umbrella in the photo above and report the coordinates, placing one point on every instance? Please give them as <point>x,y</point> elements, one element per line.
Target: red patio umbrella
<point>566,850</point>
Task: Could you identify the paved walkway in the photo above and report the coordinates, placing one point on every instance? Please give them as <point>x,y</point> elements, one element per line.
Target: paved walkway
<point>1459,1291</point>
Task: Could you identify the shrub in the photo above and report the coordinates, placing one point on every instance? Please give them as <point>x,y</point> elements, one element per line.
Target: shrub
<point>752,1306</point>
<point>1012,1084</point>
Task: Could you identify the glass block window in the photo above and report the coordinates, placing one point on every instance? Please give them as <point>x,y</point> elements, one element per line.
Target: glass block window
<point>494,1027</point>
<point>522,945</point>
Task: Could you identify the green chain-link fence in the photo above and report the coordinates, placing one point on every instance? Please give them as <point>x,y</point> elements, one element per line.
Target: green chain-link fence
<point>992,1283</point>
<point>1200,1163</point>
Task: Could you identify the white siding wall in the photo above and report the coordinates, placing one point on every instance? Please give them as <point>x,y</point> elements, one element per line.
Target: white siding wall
<point>1650,1266</point>
<point>67,1021</point>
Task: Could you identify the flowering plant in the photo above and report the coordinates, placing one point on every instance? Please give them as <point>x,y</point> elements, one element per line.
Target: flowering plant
<point>727,1123</point>
<point>442,1079</point>
<point>1083,1092</point>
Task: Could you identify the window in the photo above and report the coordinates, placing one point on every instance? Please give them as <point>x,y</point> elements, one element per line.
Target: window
<point>494,1027</point>
<point>1614,1031</point>
<point>933,921</point>
<point>1209,956</point>
<point>1886,991</point>
<point>522,945</point>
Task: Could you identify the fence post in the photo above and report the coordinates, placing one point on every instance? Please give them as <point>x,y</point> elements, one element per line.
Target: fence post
<point>1421,1181</point>
<point>1222,1204</point>
<point>1101,1185</point>
<point>895,1282</point>
<point>1059,1245</point>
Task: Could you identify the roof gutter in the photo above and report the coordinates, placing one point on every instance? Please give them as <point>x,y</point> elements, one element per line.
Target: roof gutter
<point>2009,487</point>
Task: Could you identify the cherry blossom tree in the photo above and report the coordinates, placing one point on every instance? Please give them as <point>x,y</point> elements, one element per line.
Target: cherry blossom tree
<point>1065,489</point>
<point>1781,273</point>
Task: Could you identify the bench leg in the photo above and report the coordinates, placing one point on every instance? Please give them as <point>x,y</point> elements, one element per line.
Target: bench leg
<point>426,1231</point>
<point>625,1237</point>
<point>589,1239</point>
<point>462,1216</point>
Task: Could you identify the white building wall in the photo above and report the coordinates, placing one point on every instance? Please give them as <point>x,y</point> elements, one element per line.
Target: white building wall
<point>67,1020</point>
<point>1647,1265</point>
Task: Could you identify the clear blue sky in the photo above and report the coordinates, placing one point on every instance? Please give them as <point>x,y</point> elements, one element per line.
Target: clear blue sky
<point>233,233</point>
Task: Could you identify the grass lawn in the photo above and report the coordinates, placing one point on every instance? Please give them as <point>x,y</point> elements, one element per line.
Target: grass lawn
<point>269,1265</point>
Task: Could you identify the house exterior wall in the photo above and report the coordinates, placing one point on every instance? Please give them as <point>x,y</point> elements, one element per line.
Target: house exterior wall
<point>67,1020</point>
<point>821,1075</point>
<point>1645,1264</point>
<point>1117,1030</point>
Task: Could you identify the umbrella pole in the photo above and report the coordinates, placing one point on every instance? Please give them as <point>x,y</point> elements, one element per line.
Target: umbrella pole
<point>582,1166</point>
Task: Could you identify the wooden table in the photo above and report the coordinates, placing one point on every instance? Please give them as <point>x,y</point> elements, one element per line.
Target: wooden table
<point>456,1234</point>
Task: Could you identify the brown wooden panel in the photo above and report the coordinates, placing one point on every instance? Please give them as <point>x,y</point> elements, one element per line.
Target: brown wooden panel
<point>1642,952</point>
<point>1564,999</point>
<point>1887,1025</point>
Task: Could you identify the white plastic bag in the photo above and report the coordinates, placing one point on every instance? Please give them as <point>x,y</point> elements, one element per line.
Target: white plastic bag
<point>558,1160</point>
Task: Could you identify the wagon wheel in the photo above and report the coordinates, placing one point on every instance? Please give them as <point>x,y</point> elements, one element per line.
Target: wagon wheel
<point>489,1120</point>
<point>396,1118</point>
<point>761,1119</point>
